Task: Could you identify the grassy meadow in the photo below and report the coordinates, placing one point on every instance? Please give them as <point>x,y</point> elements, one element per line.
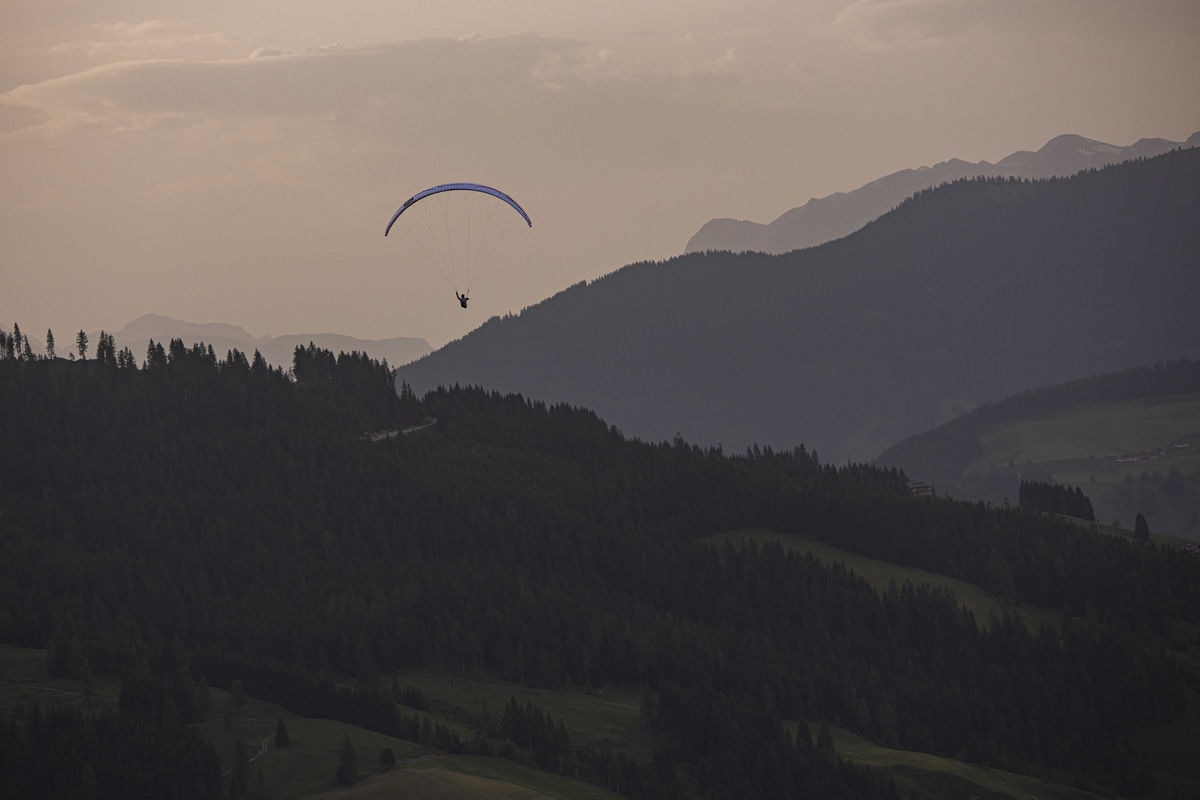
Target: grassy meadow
<point>609,717</point>
<point>936,776</point>
<point>450,777</point>
<point>880,573</point>
<point>308,766</point>
<point>1080,446</point>
<point>24,680</point>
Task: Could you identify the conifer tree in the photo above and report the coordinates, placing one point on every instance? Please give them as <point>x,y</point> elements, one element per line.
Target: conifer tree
<point>234,702</point>
<point>106,350</point>
<point>281,734</point>
<point>241,769</point>
<point>203,698</point>
<point>87,783</point>
<point>1141,528</point>
<point>824,737</point>
<point>347,771</point>
<point>998,577</point>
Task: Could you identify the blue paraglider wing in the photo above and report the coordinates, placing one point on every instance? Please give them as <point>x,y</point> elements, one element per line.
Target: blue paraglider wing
<point>453,187</point>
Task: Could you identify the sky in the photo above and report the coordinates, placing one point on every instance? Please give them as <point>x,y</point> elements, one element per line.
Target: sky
<point>237,160</point>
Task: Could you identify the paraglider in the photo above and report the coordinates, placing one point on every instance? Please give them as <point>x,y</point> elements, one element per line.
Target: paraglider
<point>456,227</point>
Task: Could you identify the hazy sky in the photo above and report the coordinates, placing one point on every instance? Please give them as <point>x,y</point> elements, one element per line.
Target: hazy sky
<point>225,161</point>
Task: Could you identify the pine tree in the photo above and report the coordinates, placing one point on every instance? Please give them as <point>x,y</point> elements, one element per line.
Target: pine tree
<point>824,737</point>
<point>106,350</point>
<point>156,357</point>
<point>49,343</point>
<point>347,771</point>
<point>87,783</point>
<point>1141,528</point>
<point>81,344</point>
<point>203,698</point>
<point>281,734</point>
<point>85,679</point>
<point>234,703</point>
<point>241,769</point>
<point>998,577</point>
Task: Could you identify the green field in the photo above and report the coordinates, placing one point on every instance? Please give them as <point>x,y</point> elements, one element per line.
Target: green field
<point>25,680</point>
<point>1080,447</point>
<point>308,765</point>
<point>1093,433</point>
<point>935,776</point>
<point>879,574</point>
<point>306,768</point>
<point>608,717</point>
<point>451,777</point>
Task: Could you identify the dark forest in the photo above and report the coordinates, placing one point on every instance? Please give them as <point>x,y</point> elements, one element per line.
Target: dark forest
<point>200,521</point>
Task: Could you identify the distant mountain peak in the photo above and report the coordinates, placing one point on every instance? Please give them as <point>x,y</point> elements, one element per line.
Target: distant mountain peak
<point>1069,143</point>
<point>831,217</point>
<point>145,324</point>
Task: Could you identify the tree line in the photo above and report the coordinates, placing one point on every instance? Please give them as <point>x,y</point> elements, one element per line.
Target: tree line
<point>1055,498</point>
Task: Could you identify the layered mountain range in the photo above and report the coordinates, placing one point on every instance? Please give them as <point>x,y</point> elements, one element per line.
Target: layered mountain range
<point>964,294</point>
<point>823,219</point>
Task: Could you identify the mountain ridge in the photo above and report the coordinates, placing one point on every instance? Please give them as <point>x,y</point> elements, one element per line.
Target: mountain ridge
<point>965,293</point>
<point>830,217</point>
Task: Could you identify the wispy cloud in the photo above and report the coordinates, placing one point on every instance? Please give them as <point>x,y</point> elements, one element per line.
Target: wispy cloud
<point>549,90</point>
<point>879,25</point>
<point>910,24</point>
<point>121,41</point>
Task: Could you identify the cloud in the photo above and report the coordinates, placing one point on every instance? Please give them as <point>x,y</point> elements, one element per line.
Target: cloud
<point>725,64</point>
<point>132,30</point>
<point>124,41</point>
<point>271,83</point>
<point>572,100</point>
<point>266,52</point>
<point>907,25</point>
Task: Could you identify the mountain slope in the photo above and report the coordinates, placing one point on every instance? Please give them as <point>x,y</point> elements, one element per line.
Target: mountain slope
<point>1130,440</point>
<point>826,218</point>
<point>964,294</point>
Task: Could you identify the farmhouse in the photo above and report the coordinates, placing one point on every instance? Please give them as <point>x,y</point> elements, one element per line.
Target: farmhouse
<point>920,488</point>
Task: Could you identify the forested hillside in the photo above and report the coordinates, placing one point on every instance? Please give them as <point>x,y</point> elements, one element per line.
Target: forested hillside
<point>1102,431</point>
<point>963,295</point>
<point>200,521</point>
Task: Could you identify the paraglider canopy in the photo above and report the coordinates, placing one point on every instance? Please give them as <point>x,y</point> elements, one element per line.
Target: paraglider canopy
<point>456,227</point>
<point>452,187</point>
